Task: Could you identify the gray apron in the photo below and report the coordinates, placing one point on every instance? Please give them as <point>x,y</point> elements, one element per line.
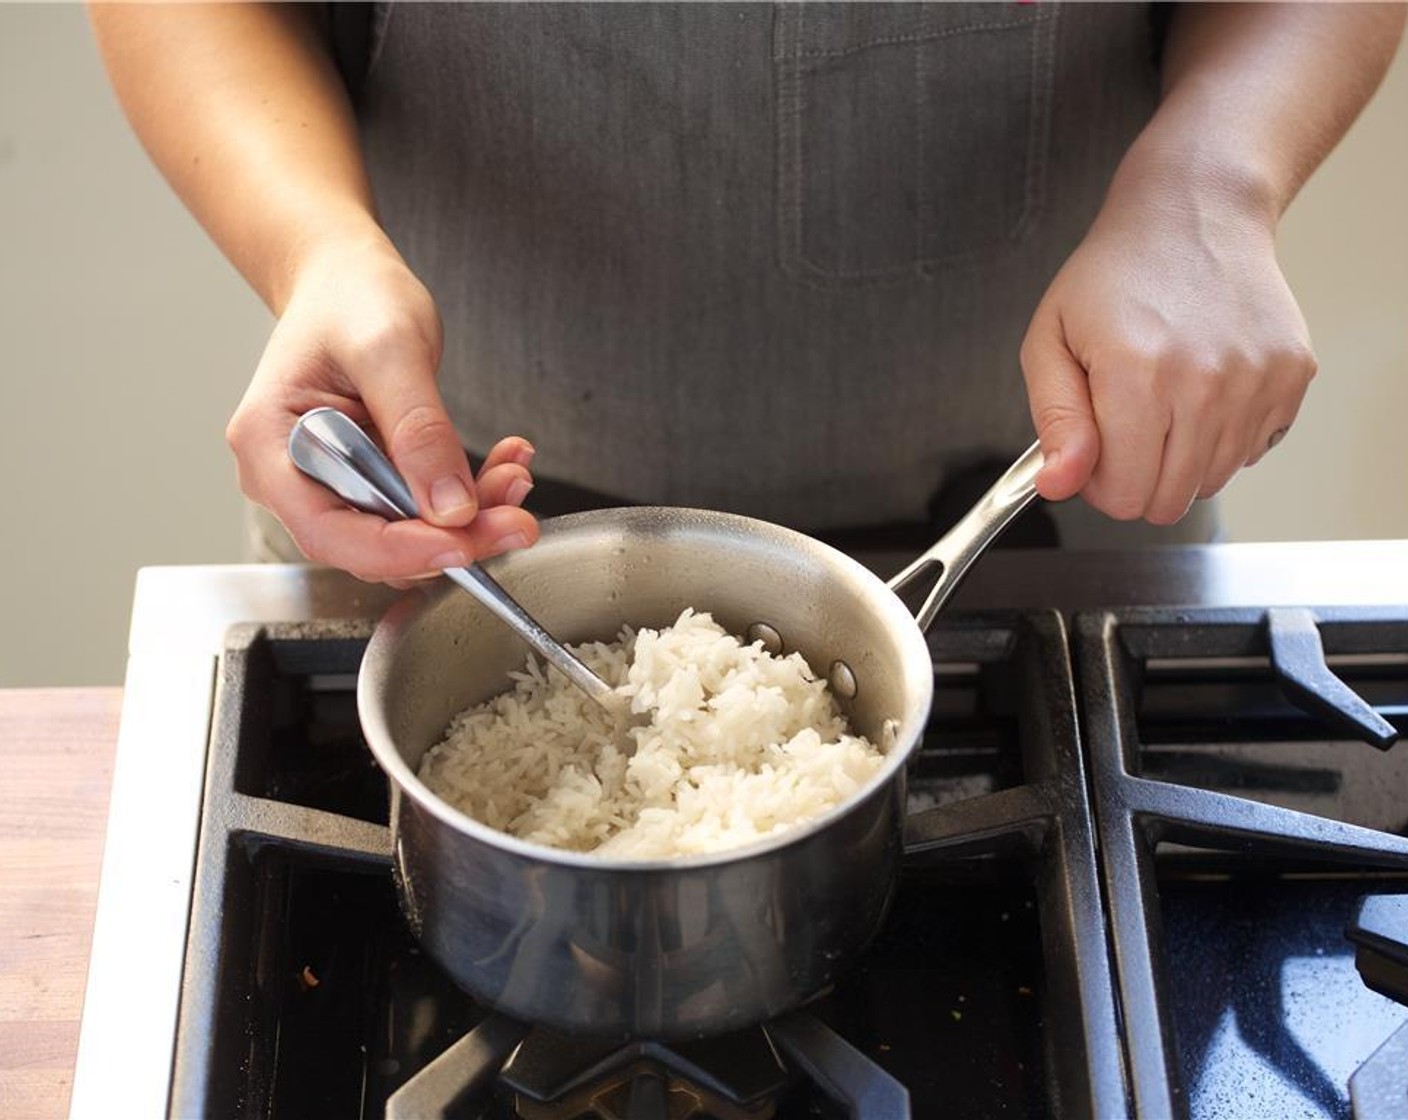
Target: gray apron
<point>774,259</point>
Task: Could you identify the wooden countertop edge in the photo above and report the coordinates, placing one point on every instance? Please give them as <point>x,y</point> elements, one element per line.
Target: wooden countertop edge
<point>56,754</point>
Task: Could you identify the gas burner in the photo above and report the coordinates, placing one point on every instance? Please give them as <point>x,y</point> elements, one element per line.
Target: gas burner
<point>555,1076</point>
<point>548,1075</point>
<point>642,1089</point>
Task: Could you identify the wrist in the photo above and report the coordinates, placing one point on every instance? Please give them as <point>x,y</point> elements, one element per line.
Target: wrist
<point>1192,174</point>
<point>327,249</point>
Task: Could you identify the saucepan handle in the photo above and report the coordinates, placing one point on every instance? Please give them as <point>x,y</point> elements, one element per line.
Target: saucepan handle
<point>950,557</point>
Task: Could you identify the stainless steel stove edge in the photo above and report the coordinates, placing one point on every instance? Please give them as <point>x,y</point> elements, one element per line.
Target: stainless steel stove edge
<point>179,619</point>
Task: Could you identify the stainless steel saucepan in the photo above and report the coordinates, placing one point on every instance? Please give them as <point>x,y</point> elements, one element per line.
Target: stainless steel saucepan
<point>667,948</point>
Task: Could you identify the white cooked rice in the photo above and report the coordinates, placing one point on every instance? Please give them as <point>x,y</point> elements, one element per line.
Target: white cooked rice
<point>740,745</point>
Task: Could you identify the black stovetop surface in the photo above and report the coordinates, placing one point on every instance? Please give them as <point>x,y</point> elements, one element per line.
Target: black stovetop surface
<point>1273,1022</point>
<point>306,995</point>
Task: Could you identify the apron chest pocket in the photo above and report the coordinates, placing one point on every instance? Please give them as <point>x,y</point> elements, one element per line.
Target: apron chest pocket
<point>910,136</point>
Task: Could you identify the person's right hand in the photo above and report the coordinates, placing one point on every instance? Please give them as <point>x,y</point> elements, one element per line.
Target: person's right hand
<point>360,333</point>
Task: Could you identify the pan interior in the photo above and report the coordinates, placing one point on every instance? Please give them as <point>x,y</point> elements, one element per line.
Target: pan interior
<point>439,652</point>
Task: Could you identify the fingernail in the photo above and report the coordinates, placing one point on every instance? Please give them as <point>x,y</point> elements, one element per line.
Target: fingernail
<point>448,496</point>
<point>525,454</point>
<point>1052,460</point>
<point>449,560</point>
<point>517,491</point>
<point>510,542</point>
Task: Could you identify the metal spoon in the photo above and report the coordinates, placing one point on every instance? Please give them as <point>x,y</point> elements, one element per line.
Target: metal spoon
<point>329,448</point>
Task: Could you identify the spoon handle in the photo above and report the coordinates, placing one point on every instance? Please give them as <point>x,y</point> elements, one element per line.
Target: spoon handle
<point>329,448</point>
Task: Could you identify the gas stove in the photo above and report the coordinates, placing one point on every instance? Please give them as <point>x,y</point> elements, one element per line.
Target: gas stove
<point>1157,865</point>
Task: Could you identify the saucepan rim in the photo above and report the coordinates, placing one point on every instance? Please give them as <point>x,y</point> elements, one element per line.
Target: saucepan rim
<point>413,604</point>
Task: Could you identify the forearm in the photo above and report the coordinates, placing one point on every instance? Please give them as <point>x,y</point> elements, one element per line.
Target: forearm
<point>1256,95</point>
<point>242,110</point>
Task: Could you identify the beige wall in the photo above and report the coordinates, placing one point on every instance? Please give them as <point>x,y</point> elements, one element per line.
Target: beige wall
<point>1344,246</point>
<point>125,341</point>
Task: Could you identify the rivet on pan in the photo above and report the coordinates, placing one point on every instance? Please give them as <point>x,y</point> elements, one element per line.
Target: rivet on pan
<point>762,632</point>
<point>843,681</point>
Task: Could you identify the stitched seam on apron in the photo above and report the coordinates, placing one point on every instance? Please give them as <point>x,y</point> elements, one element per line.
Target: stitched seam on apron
<point>1043,62</point>
<point>800,209</point>
<point>787,90</point>
<point>921,152</point>
<point>920,36</point>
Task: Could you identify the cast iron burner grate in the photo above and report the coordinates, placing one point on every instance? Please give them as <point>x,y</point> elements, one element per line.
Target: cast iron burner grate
<point>1130,664</point>
<point>551,1076</point>
<point>1379,1088</point>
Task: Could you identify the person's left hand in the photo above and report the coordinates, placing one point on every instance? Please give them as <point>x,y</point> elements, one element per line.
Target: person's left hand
<point>1167,354</point>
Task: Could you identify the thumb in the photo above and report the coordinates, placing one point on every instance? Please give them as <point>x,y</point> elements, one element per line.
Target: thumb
<point>419,436</point>
<point>1058,392</point>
